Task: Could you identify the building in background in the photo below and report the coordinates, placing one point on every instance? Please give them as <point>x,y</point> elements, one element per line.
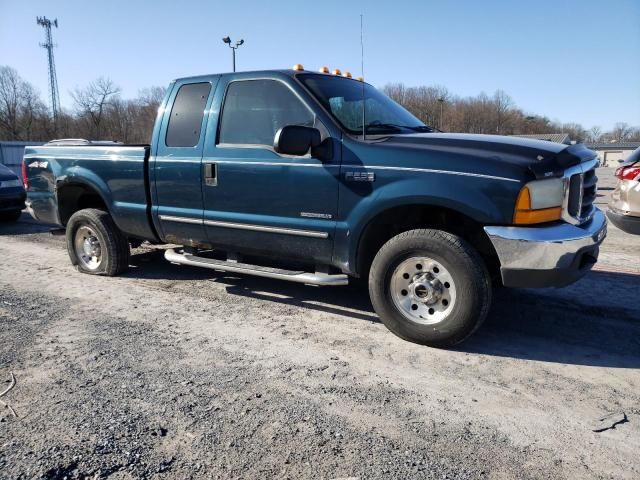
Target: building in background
<point>11,154</point>
<point>549,137</point>
<point>613,153</point>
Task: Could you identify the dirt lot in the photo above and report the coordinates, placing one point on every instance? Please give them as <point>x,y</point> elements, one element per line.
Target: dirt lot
<point>176,372</point>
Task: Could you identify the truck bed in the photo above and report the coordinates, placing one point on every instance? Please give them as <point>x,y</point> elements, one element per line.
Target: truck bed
<point>115,174</point>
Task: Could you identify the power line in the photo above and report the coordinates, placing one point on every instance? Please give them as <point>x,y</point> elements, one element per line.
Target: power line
<point>48,45</point>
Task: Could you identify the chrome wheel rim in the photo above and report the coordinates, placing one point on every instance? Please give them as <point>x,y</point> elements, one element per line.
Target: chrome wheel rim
<point>423,290</point>
<point>87,247</point>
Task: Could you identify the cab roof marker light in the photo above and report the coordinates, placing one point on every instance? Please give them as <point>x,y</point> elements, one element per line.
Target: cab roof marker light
<point>298,67</point>
<point>360,79</point>
<point>336,71</point>
<point>324,70</point>
<point>347,74</point>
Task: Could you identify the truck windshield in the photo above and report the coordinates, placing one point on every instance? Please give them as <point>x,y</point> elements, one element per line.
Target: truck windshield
<point>342,97</point>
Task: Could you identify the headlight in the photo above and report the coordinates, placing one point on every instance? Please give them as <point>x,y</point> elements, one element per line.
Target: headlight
<point>539,201</point>
<point>10,183</point>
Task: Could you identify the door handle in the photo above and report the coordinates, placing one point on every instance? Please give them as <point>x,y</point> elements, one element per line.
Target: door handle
<point>211,174</point>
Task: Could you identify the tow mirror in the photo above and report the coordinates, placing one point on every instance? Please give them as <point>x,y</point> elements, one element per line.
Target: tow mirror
<point>296,140</point>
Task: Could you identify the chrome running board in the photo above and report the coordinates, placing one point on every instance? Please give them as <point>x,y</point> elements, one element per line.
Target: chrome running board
<point>321,279</point>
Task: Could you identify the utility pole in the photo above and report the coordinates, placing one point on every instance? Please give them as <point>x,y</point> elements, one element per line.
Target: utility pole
<point>48,45</point>
<point>227,40</point>
<point>441,102</point>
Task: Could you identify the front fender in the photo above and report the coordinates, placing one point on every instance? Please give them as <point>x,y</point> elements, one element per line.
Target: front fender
<point>486,201</point>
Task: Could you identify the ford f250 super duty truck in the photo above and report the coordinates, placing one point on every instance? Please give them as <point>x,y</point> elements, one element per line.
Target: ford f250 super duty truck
<point>286,174</point>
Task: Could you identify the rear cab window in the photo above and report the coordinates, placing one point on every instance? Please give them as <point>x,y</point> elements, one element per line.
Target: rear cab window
<point>187,113</point>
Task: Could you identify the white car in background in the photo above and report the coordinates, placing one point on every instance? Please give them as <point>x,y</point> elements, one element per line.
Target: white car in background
<point>624,207</point>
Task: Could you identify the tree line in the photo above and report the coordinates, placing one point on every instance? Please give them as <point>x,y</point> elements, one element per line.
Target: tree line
<point>495,114</point>
<point>100,112</point>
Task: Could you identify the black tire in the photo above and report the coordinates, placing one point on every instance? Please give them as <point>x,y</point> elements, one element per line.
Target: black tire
<point>114,246</point>
<point>10,216</point>
<point>466,268</point>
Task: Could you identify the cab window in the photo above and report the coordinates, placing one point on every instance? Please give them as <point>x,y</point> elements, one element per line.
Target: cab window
<point>254,110</point>
<point>187,113</point>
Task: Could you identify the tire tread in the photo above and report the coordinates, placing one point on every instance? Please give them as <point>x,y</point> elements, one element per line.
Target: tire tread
<point>416,239</point>
<point>116,248</point>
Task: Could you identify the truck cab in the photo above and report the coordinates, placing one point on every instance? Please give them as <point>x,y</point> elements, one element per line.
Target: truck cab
<point>220,167</point>
<point>317,178</point>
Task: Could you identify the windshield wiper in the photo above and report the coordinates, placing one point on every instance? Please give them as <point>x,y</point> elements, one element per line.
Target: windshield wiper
<point>396,128</point>
<point>423,128</point>
<point>381,126</point>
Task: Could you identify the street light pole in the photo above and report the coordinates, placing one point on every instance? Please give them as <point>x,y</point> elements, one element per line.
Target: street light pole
<point>227,40</point>
<point>441,101</point>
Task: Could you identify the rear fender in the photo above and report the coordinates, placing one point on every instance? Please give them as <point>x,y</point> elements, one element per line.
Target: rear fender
<point>81,176</point>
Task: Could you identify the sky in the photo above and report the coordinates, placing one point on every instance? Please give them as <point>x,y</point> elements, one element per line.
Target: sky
<point>573,60</point>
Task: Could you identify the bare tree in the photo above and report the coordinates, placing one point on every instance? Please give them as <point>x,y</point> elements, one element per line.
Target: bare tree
<point>92,102</point>
<point>621,132</point>
<point>495,114</point>
<point>21,110</point>
<point>594,134</point>
<point>502,104</point>
<point>101,112</point>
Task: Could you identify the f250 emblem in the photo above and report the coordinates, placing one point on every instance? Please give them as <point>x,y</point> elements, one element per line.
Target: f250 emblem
<point>360,176</point>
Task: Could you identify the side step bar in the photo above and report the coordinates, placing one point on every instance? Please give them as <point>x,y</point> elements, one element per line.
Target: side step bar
<point>321,279</point>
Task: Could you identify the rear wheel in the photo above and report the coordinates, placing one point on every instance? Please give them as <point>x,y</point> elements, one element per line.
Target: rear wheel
<point>430,287</point>
<point>95,244</point>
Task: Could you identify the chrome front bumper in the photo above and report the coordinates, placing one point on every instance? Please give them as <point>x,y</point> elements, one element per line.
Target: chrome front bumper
<point>552,256</point>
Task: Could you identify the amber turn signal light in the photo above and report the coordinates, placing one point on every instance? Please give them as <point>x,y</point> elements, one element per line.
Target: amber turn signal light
<point>525,215</point>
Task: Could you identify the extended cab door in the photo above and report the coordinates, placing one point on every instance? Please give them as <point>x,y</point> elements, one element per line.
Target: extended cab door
<point>177,164</point>
<point>255,199</point>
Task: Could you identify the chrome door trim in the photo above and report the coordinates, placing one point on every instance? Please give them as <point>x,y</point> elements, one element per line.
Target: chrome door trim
<point>263,228</point>
<point>245,226</point>
<point>170,218</point>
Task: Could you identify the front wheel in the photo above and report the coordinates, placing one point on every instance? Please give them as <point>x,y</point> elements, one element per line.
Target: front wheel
<point>95,244</point>
<point>430,287</point>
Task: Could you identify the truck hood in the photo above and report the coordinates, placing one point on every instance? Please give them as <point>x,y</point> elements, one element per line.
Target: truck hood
<point>540,157</point>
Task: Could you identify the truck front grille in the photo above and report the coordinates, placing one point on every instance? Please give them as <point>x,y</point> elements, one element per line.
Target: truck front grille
<point>582,195</point>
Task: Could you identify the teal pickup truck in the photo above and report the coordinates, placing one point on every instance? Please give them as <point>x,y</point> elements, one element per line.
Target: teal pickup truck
<point>316,177</point>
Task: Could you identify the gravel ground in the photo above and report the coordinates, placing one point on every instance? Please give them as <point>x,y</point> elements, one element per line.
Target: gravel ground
<point>177,372</point>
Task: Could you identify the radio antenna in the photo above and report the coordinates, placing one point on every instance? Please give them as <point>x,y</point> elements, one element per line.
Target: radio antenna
<point>364,100</point>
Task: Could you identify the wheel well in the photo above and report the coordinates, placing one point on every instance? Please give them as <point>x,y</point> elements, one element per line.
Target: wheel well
<point>74,197</point>
<point>396,220</point>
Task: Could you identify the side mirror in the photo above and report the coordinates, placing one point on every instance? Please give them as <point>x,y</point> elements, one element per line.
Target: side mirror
<point>296,140</point>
